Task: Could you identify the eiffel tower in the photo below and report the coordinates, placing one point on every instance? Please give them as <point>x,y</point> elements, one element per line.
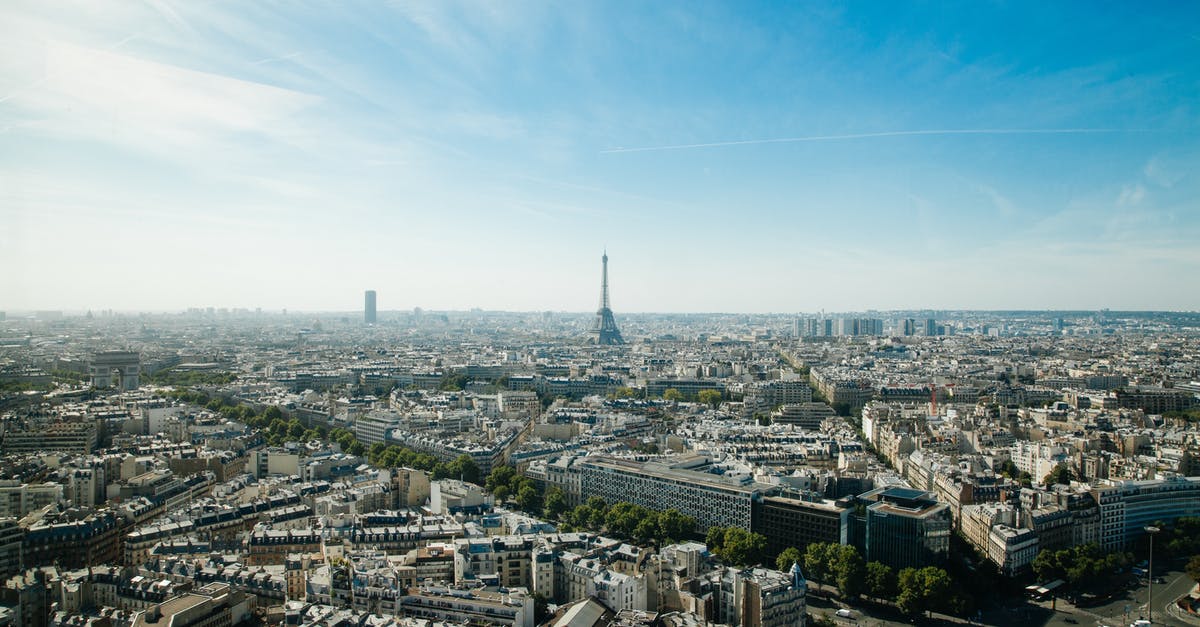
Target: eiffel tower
<point>604,330</point>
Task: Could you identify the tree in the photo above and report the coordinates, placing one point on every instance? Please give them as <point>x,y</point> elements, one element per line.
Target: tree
<point>1060,474</point>
<point>624,392</point>
<point>923,590</point>
<point>787,557</point>
<point>741,548</point>
<point>674,526</point>
<point>710,397</point>
<point>848,571</point>
<point>714,539</point>
<point>1193,568</point>
<point>909,598</point>
<point>555,503</point>
<point>528,498</point>
<point>541,608</point>
<point>881,580</point>
<point>937,588</point>
<point>817,558</point>
<point>647,529</point>
<point>673,395</point>
<point>500,476</point>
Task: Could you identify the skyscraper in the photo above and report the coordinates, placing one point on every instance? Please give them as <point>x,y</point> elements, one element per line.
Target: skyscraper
<point>604,329</point>
<point>369,308</point>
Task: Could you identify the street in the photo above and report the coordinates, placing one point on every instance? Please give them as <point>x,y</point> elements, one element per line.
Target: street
<point>1020,612</point>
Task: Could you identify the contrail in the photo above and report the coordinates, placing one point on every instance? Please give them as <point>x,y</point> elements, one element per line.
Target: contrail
<point>823,138</point>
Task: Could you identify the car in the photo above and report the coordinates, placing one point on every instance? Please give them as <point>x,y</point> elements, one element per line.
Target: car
<point>1071,619</point>
<point>1159,580</point>
<point>844,613</point>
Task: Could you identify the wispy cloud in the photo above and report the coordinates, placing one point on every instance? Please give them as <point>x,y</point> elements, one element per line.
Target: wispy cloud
<point>851,136</point>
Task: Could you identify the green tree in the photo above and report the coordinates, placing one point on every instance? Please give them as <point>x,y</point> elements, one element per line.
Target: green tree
<point>463,467</point>
<point>714,538</point>
<point>541,608</point>
<point>817,559</point>
<point>624,392</point>
<point>881,580</point>
<point>673,395</point>
<point>272,412</point>
<point>674,526</point>
<point>555,503</point>
<point>787,557</point>
<point>936,588</point>
<point>909,597</point>
<point>1060,474</point>
<point>500,476</point>
<point>529,499</point>
<point>742,548</point>
<point>622,518</point>
<point>647,529</point>
<point>1193,568</point>
<point>849,571</point>
<point>710,397</point>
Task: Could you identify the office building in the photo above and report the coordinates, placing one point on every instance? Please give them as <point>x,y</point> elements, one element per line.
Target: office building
<point>369,307</point>
<point>793,522</point>
<point>713,500</point>
<point>905,528</point>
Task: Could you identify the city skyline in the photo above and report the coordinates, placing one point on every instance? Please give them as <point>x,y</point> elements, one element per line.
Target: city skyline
<point>732,158</point>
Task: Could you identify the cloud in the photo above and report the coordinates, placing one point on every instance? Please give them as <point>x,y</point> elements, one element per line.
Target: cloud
<point>1164,171</point>
<point>1131,195</point>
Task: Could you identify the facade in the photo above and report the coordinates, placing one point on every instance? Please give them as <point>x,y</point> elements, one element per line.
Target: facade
<point>774,599</point>
<point>214,605</point>
<point>18,499</point>
<point>788,522</point>
<point>72,437</point>
<point>905,528</point>
<point>369,307</point>
<point>472,607</point>
<point>373,426</point>
<point>1143,503</point>
<point>94,539</point>
<point>710,499</point>
<point>804,415</point>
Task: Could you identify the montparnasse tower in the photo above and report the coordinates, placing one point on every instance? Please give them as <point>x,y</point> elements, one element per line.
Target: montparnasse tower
<point>604,330</point>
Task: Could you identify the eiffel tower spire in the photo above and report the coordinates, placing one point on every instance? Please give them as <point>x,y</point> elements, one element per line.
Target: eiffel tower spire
<point>604,329</point>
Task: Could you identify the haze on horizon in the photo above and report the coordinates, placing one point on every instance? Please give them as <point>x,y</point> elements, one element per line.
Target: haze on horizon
<point>730,156</point>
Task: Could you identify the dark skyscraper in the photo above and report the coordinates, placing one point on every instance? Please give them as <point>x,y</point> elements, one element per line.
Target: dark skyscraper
<point>604,330</point>
<point>369,308</point>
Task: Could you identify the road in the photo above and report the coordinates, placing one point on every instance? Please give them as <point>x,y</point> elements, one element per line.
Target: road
<point>1025,613</point>
<point>1114,612</point>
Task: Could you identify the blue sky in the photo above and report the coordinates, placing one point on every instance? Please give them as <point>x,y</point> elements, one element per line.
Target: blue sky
<point>731,156</point>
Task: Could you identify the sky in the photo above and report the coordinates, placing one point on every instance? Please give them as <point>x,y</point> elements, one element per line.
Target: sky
<point>731,157</point>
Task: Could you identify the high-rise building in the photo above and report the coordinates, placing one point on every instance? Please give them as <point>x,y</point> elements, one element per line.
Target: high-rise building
<point>931,327</point>
<point>369,308</point>
<point>604,330</point>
